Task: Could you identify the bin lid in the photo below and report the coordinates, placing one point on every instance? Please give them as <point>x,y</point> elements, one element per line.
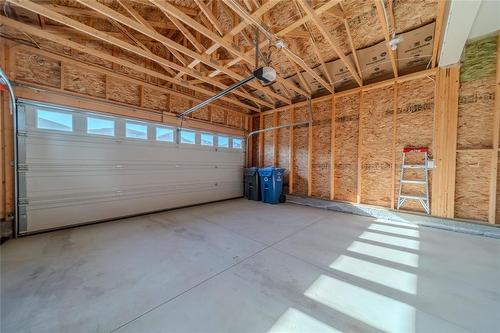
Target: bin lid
<point>266,172</point>
<point>251,171</point>
<point>279,170</point>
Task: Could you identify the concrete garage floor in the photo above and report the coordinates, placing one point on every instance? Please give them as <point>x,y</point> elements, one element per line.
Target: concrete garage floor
<point>243,266</point>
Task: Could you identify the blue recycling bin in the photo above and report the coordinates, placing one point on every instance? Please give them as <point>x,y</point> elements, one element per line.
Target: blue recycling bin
<point>271,184</point>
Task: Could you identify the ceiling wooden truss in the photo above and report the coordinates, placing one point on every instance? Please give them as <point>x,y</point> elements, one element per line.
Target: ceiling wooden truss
<point>203,46</point>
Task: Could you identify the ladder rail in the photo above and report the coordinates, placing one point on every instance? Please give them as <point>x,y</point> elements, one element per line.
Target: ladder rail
<point>402,197</point>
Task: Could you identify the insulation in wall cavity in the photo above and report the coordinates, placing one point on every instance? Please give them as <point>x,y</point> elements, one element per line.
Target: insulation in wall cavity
<point>472,185</point>
<point>414,128</point>
<point>268,140</point>
<point>38,69</point>
<point>122,91</point>
<point>346,147</point>
<point>321,148</point>
<point>83,81</point>
<point>376,128</point>
<point>479,59</point>
<point>217,115</point>
<point>284,145</point>
<point>155,99</point>
<point>300,160</point>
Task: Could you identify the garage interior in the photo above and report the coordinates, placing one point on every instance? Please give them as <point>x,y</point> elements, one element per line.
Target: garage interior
<point>129,127</point>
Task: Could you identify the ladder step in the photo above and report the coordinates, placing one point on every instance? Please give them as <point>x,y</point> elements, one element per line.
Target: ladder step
<point>413,197</point>
<point>414,166</point>
<point>413,181</point>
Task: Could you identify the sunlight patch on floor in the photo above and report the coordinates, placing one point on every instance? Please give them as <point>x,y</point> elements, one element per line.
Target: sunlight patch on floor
<point>401,224</point>
<point>385,253</point>
<point>394,230</point>
<point>376,310</point>
<point>386,276</point>
<point>294,320</point>
<point>391,240</point>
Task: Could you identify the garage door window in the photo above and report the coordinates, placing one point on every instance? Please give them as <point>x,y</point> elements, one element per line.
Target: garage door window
<point>136,131</point>
<point>57,121</point>
<point>100,126</point>
<point>223,141</point>
<point>164,134</point>
<point>237,143</point>
<point>207,139</point>
<point>188,137</point>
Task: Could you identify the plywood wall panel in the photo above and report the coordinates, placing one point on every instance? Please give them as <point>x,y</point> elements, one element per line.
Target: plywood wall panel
<point>321,149</point>
<point>38,69</point>
<point>472,185</point>
<point>300,160</point>
<point>376,146</point>
<point>268,141</point>
<point>475,113</point>
<point>178,105</point>
<point>234,119</point>
<point>346,147</point>
<point>284,146</point>
<point>154,99</point>
<point>203,114</point>
<point>497,214</point>
<point>85,82</point>
<point>217,115</point>
<point>414,128</point>
<point>125,92</point>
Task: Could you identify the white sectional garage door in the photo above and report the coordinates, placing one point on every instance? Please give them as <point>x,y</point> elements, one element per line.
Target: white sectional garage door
<point>78,167</point>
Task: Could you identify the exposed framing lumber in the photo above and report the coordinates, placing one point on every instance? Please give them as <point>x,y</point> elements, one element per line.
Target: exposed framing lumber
<point>309,154</point>
<point>187,34</point>
<point>29,5</point>
<point>291,152</point>
<point>148,24</point>
<point>360,140</point>
<point>324,31</point>
<point>332,151</point>
<point>275,140</point>
<point>438,31</point>
<point>394,138</point>
<point>496,139</point>
<point>385,29</point>
<point>261,141</point>
<point>210,16</point>
<point>445,142</point>
<point>288,53</point>
<point>36,31</point>
<point>173,11</point>
<point>353,49</point>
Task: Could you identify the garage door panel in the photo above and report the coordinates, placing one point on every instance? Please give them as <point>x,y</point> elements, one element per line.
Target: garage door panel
<point>71,177</point>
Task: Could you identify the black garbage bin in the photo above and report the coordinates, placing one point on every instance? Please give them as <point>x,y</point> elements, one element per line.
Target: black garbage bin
<point>252,188</point>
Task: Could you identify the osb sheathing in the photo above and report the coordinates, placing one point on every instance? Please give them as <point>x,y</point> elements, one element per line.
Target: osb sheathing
<point>234,119</point>
<point>268,141</point>
<point>497,215</point>
<point>476,106</point>
<point>300,158</point>
<point>217,115</point>
<point>154,99</point>
<point>133,58</point>
<point>284,145</point>
<point>178,105</point>
<point>376,128</point>
<point>38,69</point>
<point>472,185</point>
<point>255,142</point>
<point>96,45</point>
<point>321,148</point>
<point>83,81</point>
<point>346,147</point>
<point>203,114</point>
<point>125,92</point>
<point>414,127</point>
